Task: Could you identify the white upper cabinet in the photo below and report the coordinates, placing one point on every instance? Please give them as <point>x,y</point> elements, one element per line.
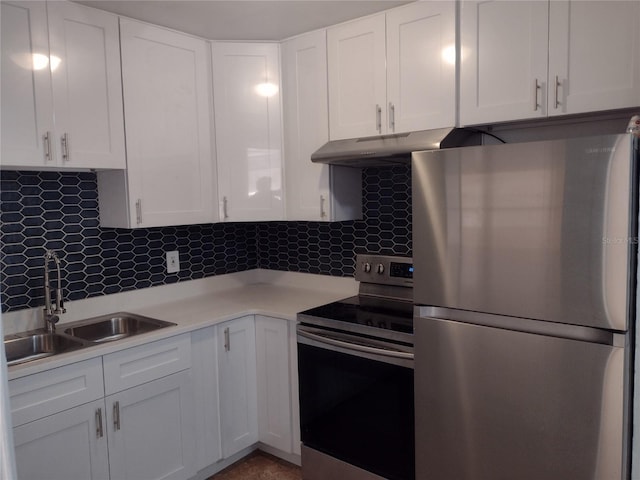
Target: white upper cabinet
<point>503,68</point>
<point>393,72</point>
<point>314,192</point>
<point>61,60</point>
<point>421,66</point>
<point>27,108</point>
<point>357,78</point>
<point>87,90</point>
<point>246,92</point>
<point>167,95</point>
<point>594,56</point>
<point>532,59</point>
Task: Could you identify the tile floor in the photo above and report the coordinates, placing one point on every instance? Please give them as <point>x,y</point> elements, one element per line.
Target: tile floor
<point>260,466</point>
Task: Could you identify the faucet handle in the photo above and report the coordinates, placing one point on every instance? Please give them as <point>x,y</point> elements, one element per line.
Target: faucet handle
<point>60,302</point>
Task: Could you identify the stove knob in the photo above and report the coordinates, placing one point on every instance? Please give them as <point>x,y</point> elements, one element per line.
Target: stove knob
<point>380,269</point>
<point>366,267</point>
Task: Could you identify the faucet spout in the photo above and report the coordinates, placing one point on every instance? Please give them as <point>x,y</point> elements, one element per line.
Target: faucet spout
<point>51,310</point>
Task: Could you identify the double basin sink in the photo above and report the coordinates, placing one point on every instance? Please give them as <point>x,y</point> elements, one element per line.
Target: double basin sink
<point>29,346</point>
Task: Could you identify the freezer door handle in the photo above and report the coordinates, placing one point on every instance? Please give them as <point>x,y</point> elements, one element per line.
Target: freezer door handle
<point>525,325</point>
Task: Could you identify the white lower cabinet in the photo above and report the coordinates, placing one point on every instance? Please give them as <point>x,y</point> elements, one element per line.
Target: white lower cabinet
<point>64,446</point>
<point>143,432</point>
<point>205,385</point>
<point>237,384</point>
<point>274,389</point>
<point>150,430</point>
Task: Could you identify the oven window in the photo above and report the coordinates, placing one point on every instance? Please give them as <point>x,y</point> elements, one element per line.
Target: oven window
<point>357,410</point>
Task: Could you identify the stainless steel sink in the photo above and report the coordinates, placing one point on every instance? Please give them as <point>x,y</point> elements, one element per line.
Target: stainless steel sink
<point>32,346</point>
<point>113,327</point>
<point>36,344</point>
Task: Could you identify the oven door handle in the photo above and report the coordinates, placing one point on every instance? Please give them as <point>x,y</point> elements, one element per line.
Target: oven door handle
<point>352,346</point>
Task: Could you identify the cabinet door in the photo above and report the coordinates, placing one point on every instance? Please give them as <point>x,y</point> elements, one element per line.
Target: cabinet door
<point>151,430</point>
<point>503,68</point>
<point>246,87</point>
<point>205,385</point>
<point>27,111</point>
<point>306,125</point>
<point>315,192</point>
<point>594,56</point>
<point>421,66</point>
<point>295,397</point>
<point>167,101</point>
<point>357,78</point>
<point>274,386</point>
<point>87,86</point>
<point>238,395</point>
<point>68,445</point>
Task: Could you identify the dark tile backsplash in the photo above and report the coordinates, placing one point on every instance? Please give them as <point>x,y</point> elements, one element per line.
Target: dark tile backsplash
<point>40,210</point>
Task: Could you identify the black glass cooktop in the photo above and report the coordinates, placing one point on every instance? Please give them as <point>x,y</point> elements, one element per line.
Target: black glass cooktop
<point>388,314</point>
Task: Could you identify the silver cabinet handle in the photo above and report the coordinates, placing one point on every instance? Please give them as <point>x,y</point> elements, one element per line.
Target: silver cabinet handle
<point>116,416</point>
<point>378,118</point>
<point>392,116</point>
<point>323,214</point>
<point>536,89</point>
<point>139,211</point>
<point>65,147</point>
<point>227,340</point>
<point>557,85</point>
<point>47,146</point>
<point>224,208</point>
<point>99,430</point>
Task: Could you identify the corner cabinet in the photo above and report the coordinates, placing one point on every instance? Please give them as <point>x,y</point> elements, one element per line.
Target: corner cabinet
<point>246,91</point>
<point>274,385</point>
<point>394,72</point>
<point>60,61</point>
<point>530,59</point>
<point>314,192</point>
<point>170,174</point>
<point>236,341</point>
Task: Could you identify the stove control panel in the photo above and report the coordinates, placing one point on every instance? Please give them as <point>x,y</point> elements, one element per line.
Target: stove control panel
<point>384,269</point>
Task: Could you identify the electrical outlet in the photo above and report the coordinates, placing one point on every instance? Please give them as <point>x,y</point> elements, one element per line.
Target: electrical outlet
<point>173,262</point>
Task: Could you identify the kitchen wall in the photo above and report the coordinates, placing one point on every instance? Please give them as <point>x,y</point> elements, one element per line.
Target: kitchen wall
<point>59,210</point>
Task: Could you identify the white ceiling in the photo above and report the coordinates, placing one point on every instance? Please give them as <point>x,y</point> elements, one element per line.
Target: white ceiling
<point>243,19</point>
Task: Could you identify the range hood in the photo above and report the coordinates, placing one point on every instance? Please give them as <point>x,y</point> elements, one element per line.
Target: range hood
<point>380,150</point>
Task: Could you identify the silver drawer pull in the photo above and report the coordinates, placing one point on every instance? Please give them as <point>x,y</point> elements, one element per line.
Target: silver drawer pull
<point>116,416</point>
<point>392,117</point>
<point>99,430</point>
<point>227,340</point>
<point>65,147</point>
<point>557,86</point>
<point>379,118</point>
<point>47,146</point>
<point>536,89</point>
<point>139,211</point>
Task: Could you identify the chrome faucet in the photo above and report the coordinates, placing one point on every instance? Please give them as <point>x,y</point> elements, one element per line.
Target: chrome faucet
<point>52,311</point>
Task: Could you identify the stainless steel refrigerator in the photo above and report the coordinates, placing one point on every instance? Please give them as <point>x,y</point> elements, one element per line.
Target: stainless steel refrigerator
<point>525,285</point>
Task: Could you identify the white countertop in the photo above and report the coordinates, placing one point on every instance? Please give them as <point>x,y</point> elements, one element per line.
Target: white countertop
<point>191,305</point>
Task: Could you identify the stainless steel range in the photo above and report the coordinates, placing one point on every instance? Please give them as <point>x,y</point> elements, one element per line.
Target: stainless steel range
<point>355,361</point>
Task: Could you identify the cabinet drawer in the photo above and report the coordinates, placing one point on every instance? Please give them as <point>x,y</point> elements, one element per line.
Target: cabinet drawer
<point>36,396</point>
<point>145,363</point>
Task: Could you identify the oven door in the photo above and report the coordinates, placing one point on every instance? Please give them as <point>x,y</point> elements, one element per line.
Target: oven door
<point>356,402</point>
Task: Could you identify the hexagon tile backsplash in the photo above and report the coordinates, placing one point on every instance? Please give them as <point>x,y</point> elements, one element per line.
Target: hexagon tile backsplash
<point>40,210</point>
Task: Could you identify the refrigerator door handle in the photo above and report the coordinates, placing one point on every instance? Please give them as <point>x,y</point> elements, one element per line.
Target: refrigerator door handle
<point>525,325</point>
